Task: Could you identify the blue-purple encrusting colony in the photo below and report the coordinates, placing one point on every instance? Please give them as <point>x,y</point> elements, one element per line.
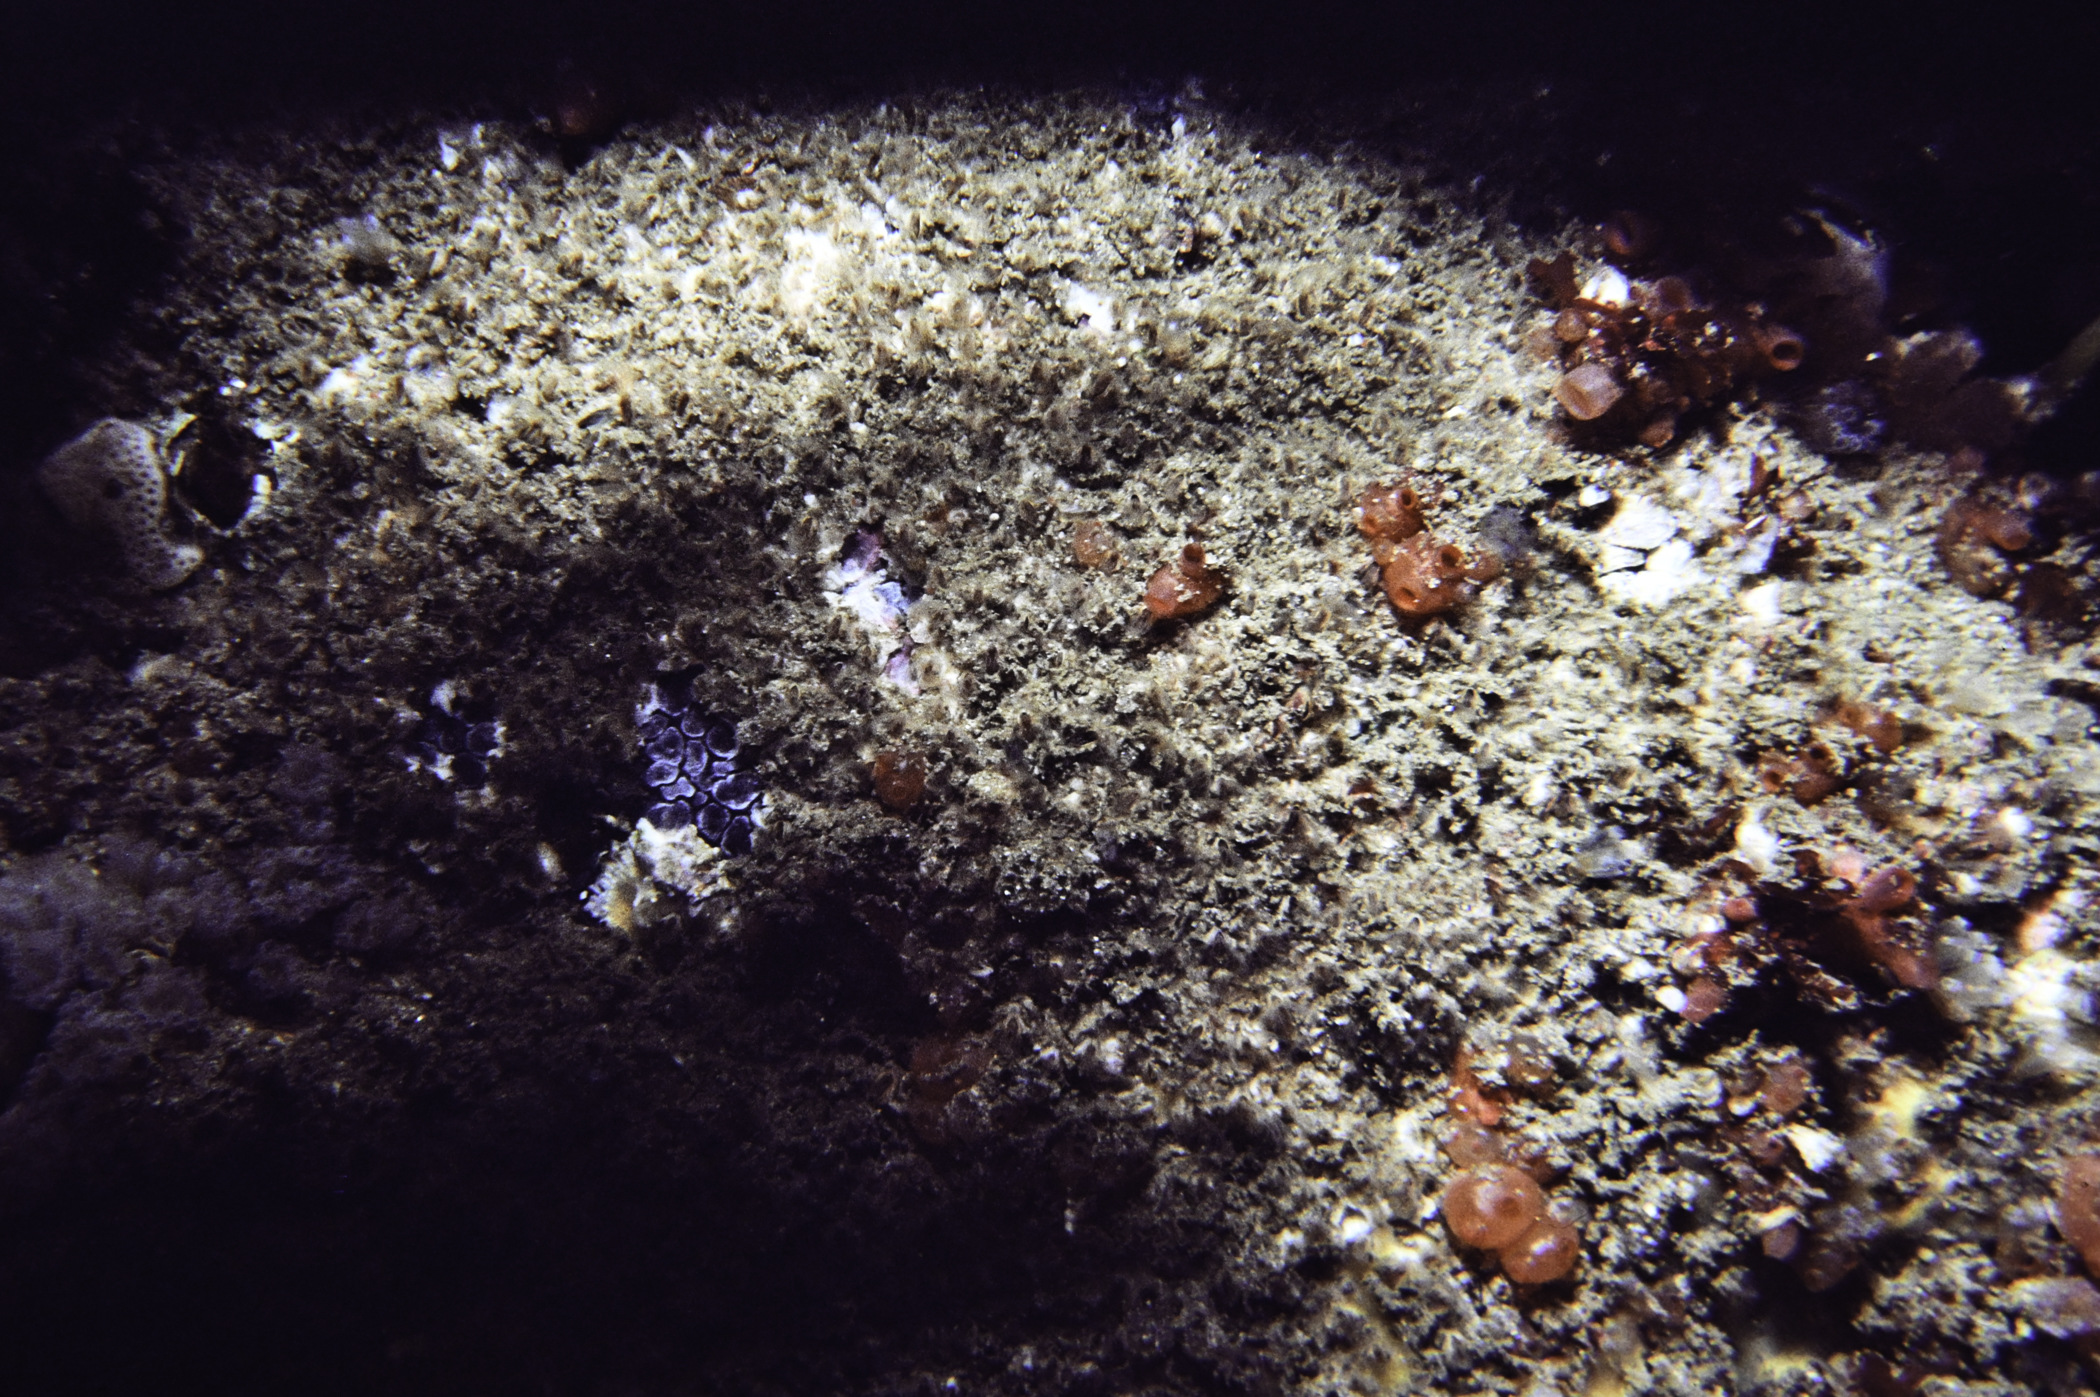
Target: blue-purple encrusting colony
<point>694,776</point>
<point>450,745</point>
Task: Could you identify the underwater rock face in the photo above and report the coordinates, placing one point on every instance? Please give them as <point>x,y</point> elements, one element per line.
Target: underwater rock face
<point>1076,948</point>
<point>694,772</point>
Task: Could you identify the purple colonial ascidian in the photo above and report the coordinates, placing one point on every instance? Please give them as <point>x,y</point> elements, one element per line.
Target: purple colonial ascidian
<point>694,776</point>
<point>449,742</point>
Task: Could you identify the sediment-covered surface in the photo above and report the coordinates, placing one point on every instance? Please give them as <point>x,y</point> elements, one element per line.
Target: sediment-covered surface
<point>1722,860</point>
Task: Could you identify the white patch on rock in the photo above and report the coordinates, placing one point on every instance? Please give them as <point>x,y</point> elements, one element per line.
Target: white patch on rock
<point>655,875</point>
<point>1667,574</point>
<point>1639,523</point>
<point>1819,1149</point>
<point>1761,603</point>
<point>861,585</point>
<point>1755,845</point>
<point>1092,309</point>
<point>1641,559</point>
<point>813,259</point>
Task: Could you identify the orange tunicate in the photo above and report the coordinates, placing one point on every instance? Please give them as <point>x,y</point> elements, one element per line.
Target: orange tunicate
<point>1546,1251</point>
<point>1387,514</point>
<point>1469,1100</point>
<point>1469,1142</point>
<point>1783,349</point>
<point>1877,725</point>
<point>1973,539</point>
<point>1703,998</point>
<point>1588,391</point>
<point>1185,587</point>
<point>1094,545</point>
<point>2078,1208</point>
<point>1492,1205</point>
<point>1785,1087</point>
<point>1890,890</point>
<point>1425,576</point>
<point>1659,432</point>
<point>1629,236</point>
<point>1783,1241</point>
<point>900,779</point>
<point>1809,778</point>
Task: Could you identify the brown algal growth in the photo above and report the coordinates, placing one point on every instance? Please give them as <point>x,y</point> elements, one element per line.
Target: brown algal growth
<point>1638,356</point>
<point>1094,546</point>
<point>1184,587</point>
<point>2052,594</point>
<point>2078,1208</point>
<point>1974,539</point>
<point>1423,575</point>
<point>900,779</point>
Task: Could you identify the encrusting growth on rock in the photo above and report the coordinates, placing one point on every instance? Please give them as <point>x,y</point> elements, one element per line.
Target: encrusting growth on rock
<point>1877,725</point>
<point>1184,587</point>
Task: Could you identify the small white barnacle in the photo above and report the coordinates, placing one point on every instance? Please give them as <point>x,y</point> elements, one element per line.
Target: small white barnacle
<point>113,480</point>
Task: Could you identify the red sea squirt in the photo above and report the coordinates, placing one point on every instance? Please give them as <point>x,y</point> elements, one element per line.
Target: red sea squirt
<point>1423,575</point>
<point>1588,391</point>
<point>1492,1205</point>
<point>1546,1252</point>
<point>900,779</point>
<point>1184,587</point>
<point>2078,1208</point>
